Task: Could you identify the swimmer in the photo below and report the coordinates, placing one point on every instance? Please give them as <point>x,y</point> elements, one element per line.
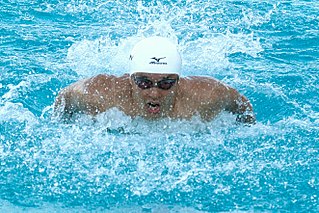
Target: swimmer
<point>154,89</point>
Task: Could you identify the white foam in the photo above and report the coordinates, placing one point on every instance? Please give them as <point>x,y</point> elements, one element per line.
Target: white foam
<point>207,55</point>
<point>16,112</point>
<point>91,57</point>
<point>14,90</point>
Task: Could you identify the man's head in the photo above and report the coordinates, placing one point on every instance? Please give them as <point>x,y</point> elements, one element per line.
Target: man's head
<point>155,67</point>
<point>155,55</point>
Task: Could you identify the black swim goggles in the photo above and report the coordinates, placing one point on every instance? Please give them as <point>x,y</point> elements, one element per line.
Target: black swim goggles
<point>145,83</point>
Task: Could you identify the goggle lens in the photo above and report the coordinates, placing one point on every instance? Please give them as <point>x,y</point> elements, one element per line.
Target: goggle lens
<point>144,83</point>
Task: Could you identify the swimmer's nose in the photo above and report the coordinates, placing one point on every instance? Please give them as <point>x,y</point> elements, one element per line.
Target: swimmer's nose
<point>154,92</point>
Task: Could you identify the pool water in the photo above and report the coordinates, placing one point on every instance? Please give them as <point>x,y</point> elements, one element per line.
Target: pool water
<point>267,50</point>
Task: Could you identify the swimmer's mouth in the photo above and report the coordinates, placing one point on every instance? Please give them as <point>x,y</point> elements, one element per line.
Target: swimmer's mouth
<point>153,108</point>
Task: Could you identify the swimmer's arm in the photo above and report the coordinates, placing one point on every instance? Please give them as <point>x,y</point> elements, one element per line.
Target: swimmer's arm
<point>240,105</point>
<point>70,100</point>
<point>85,97</point>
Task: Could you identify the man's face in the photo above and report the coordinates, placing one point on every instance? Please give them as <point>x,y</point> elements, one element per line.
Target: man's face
<point>154,94</point>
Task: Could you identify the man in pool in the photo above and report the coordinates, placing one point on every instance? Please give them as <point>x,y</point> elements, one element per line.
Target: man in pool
<point>154,89</point>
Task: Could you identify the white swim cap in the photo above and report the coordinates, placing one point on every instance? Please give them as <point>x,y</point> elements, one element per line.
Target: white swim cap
<point>155,55</point>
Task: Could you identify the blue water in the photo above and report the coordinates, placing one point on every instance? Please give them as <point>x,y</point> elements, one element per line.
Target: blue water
<point>269,51</point>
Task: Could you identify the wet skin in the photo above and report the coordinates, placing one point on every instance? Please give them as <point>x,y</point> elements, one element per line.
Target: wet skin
<point>154,96</point>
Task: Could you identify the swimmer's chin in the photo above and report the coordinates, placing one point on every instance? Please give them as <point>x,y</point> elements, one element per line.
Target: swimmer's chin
<point>152,116</point>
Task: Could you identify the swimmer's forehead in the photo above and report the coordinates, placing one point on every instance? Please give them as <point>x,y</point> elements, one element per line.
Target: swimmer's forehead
<point>155,75</point>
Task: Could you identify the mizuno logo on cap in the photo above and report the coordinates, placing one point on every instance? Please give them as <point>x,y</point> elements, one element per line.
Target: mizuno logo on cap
<point>157,60</point>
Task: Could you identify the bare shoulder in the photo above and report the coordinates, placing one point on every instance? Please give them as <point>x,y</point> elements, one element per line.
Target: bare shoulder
<point>210,96</point>
<point>97,84</point>
<point>204,87</point>
<point>91,95</point>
